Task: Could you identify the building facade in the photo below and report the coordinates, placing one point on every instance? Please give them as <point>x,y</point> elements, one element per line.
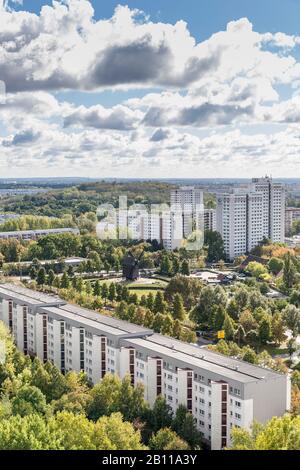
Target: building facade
<point>190,200</point>
<point>210,219</point>
<point>246,217</point>
<point>35,234</point>
<point>219,391</point>
<point>292,214</point>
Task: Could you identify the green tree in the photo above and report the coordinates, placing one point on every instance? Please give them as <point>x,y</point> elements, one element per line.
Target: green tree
<point>249,355</point>
<point>256,270</point>
<point>97,289</point>
<point>28,400</point>
<point>104,291</point>
<point>166,266</point>
<point>179,312</point>
<point>291,317</point>
<point>65,281</point>
<point>289,271</point>
<point>41,277</point>
<point>112,291</point>
<point>51,277</point>
<point>265,329</point>
<point>228,327</point>
<point>278,328</point>
<point>166,439</point>
<point>275,265</point>
<point>278,434</point>
<point>184,424</point>
<point>214,245</point>
<point>185,268</point>
<point>159,303</point>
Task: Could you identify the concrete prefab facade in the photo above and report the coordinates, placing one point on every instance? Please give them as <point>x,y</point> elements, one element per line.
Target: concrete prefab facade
<point>245,218</point>
<point>219,391</point>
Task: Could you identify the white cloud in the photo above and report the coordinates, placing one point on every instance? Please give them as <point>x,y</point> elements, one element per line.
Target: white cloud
<point>226,83</point>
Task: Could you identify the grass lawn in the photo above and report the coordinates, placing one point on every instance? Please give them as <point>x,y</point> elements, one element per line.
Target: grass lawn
<point>144,288</point>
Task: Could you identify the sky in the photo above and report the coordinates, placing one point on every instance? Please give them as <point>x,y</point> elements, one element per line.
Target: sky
<point>148,88</point>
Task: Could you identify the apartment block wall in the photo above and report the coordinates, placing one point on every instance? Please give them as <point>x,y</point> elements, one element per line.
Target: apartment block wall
<point>218,397</point>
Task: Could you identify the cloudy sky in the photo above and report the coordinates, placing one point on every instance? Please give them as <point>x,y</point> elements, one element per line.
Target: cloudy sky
<point>148,88</point>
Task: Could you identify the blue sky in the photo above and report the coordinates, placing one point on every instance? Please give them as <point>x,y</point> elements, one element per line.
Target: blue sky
<point>205,17</point>
<point>109,92</point>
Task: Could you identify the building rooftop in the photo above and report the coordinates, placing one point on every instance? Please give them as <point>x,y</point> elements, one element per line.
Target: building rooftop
<point>188,354</point>
<point>29,296</point>
<point>50,230</point>
<point>204,359</point>
<point>214,358</point>
<point>85,314</point>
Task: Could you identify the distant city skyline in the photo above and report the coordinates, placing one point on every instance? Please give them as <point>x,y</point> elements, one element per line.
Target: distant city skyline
<point>154,89</point>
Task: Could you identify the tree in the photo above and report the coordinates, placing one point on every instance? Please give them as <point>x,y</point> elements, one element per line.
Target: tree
<point>97,289</point>
<point>275,265</point>
<point>150,301</point>
<point>219,319</point>
<point>185,268</point>
<point>113,433</point>
<point>28,433</point>
<point>233,309</point>
<point>210,298</point>
<point>215,246</point>
<point>160,416</point>
<point>159,303</point>
<point>291,317</point>
<point>177,330</point>
<point>41,277</point>
<point>248,321</point>
<point>278,328</point>
<point>278,434</point>
<point>158,322</point>
<point>241,297</point>
<point>265,329</point>
<point>94,257</point>
<point>104,291</point>
<point>131,401</point>
<point>240,335</point>
<point>166,266</point>
<point>228,327</point>
<point>249,355</point>
<point>166,439</point>
<point>256,270</point>
<point>51,277</point>
<point>65,281</point>
<point>188,287</point>
<point>176,266</point>
<point>289,271</point>
<point>112,291</point>
<point>295,298</point>
<point>105,396</point>
<point>28,400</point>
<point>292,347</point>
<point>184,424</point>
<point>179,312</point>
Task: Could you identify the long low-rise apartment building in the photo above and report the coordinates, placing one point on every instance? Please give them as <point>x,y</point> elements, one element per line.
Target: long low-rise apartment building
<point>219,391</point>
<point>35,234</point>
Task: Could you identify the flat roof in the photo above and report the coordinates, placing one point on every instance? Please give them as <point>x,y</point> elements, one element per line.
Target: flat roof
<point>204,359</point>
<point>213,357</point>
<point>98,327</point>
<point>85,314</point>
<point>50,230</point>
<point>29,296</point>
